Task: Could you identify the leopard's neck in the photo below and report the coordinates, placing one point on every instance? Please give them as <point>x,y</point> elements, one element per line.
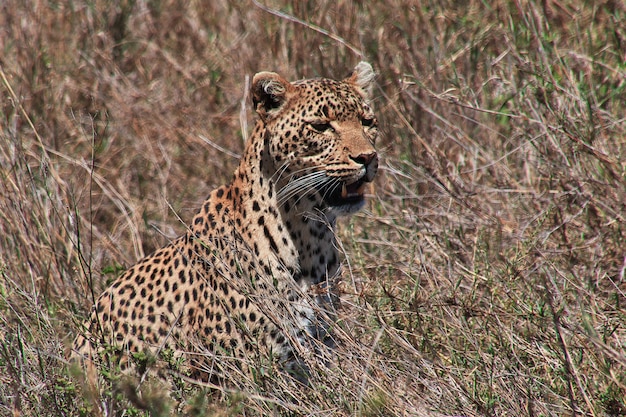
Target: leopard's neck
<point>295,233</point>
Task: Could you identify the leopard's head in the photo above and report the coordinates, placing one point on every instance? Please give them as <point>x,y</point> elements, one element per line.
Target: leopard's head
<point>319,137</point>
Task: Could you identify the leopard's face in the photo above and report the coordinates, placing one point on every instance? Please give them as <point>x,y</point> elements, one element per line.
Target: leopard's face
<point>320,141</point>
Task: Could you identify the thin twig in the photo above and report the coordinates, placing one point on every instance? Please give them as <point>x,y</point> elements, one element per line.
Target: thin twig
<point>311,26</point>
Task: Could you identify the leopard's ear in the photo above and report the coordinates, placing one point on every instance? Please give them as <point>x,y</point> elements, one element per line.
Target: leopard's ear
<point>269,91</point>
<point>363,78</point>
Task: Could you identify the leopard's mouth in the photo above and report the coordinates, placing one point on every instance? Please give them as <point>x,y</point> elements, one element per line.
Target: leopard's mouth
<point>347,194</point>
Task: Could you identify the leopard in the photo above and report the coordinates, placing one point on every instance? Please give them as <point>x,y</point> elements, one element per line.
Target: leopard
<point>256,270</point>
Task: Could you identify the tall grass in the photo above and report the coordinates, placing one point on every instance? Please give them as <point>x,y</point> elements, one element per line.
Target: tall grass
<point>485,278</point>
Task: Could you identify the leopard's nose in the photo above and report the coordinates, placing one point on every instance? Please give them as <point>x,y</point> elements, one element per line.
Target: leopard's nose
<point>370,161</point>
<point>364,158</point>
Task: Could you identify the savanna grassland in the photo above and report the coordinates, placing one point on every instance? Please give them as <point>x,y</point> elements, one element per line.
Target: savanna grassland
<point>486,276</point>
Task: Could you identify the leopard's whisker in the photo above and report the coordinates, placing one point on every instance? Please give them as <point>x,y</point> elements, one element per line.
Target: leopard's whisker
<point>332,185</point>
<point>279,172</point>
<point>296,183</point>
<point>302,186</point>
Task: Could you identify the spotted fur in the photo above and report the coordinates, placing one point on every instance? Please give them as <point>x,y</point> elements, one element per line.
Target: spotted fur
<point>254,272</point>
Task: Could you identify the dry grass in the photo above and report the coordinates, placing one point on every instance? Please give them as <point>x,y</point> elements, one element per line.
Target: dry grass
<point>486,277</point>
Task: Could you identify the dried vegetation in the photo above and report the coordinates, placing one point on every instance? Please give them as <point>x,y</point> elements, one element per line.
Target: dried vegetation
<point>485,278</point>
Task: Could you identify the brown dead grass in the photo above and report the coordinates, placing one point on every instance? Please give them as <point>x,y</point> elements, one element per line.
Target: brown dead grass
<point>486,276</point>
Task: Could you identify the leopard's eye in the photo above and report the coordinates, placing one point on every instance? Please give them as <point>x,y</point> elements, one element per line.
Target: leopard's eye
<point>321,127</point>
<point>367,121</point>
